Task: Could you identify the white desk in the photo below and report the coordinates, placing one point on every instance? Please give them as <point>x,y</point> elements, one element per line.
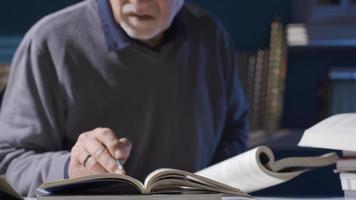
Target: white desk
<point>302,198</point>
<point>277,198</point>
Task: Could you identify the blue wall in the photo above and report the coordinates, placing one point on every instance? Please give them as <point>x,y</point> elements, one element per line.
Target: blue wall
<point>17,16</point>
<point>246,20</point>
<point>308,68</point>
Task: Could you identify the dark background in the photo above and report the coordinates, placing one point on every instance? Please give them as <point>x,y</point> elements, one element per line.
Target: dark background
<point>248,22</point>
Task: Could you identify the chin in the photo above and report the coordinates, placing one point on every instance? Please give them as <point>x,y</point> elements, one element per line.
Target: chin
<point>142,34</point>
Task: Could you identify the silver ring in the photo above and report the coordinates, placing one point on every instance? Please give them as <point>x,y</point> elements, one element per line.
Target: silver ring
<point>86,160</point>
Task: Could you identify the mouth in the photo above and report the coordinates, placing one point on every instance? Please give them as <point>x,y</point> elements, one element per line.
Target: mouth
<point>141,17</point>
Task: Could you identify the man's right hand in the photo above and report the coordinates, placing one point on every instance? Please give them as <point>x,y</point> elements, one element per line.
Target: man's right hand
<point>96,152</point>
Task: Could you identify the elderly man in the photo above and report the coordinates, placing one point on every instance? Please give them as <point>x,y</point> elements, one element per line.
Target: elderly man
<point>102,80</point>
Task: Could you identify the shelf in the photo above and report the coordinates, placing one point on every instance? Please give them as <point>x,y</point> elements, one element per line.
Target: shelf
<point>8,45</point>
<point>321,35</point>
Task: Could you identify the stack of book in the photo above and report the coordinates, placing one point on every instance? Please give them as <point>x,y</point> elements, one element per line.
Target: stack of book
<point>4,74</point>
<point>263,77</point>
<point>321,34</point>
<point>346,167</point>
<point>342,83</point>
<point>337,132</point>
<point>276,76</point>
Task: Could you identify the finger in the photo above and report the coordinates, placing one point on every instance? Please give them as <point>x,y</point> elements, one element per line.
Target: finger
<point>127,146</point>
<point>76,168</point>
<point>82,155</point>
<point>79,153</point>
<point>108,138</point>
<point>100,154</point>
<point>81,163</point>
<point>119,149</point>
<point>94,167</point>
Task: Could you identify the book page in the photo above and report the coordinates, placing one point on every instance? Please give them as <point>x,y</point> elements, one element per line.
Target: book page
<point>172,179</point>
<point>349,153</point>
<point>93,184</point>
<point>7,188</point>
<point>298,163</point>
<point>344,121</point>
<point>183,186</point>
<point>336,132</point>
<point>246,171</point>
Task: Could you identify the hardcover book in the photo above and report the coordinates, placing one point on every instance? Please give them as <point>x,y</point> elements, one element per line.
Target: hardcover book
<point>230,179</point>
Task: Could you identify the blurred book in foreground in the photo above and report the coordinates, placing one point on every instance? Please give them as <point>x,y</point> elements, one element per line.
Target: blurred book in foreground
<point>337,132</point>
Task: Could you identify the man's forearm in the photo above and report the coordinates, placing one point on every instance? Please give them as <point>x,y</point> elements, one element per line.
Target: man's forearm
<point>26,170</point>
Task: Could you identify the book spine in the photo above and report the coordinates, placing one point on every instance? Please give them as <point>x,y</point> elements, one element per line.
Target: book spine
<point>276,75</point>
<point>349,153</point>
<point>350,194</point>
<point>348,181</point>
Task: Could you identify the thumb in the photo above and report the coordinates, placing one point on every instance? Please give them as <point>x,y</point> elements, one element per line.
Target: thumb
<point>127,145</point>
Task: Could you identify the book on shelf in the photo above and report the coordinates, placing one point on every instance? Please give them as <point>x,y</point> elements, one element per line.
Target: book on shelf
<point>263,77</point>
<point>335,132</point>
<point>348,181</point>
<point>346,164</point>
<point>342,98</point>
<point>350,194</point>
<point>349,154</point>
<point>334,93</point>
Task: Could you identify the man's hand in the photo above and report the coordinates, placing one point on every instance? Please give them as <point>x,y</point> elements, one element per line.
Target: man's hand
<point>96,152</point>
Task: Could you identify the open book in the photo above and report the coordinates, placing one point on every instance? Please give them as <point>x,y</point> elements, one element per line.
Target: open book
<point>253,170</point>
<point>336,132</point>
<point>7,192</point>
<point>161,181</point>
<point>257,169</point>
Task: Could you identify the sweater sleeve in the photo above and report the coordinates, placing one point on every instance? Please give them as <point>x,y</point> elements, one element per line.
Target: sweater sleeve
<point>235,133</point>
<point>32,121</point>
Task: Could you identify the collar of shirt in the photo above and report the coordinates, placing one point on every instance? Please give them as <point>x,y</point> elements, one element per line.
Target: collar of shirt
<point>117,39</point>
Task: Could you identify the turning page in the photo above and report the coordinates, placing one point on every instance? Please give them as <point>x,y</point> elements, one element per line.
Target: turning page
<point>247,171</point>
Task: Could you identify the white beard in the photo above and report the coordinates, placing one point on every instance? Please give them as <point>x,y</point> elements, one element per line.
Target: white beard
<point>147,29</point>
<point>141,30</point>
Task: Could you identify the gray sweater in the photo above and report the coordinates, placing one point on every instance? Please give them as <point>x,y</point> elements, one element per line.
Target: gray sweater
<point>180,105</point>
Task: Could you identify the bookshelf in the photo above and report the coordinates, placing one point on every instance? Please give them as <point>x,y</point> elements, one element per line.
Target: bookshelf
<point>309,69</point>
<point>263,77</point>
<point>8,46</point>
<point>4,73</point>
<point>320,39</point>
<point>325,11</point>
